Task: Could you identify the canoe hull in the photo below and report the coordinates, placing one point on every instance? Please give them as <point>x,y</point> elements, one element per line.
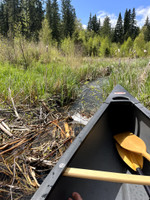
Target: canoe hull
<point>94,148</point>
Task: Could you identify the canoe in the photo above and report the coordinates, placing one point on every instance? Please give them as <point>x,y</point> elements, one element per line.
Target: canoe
<point>94,149</point>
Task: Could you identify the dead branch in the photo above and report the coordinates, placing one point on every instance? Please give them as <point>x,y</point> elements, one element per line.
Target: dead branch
<point>14,107</point>
<point>5,130</point>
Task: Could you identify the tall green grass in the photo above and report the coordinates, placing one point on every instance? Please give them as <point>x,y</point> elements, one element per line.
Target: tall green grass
<point>134,75</point>
<point>45,81</point>
<point>37,72</point>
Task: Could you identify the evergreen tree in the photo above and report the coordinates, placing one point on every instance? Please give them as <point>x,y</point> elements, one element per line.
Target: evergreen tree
<point>95,24</point>
<point>49,12</point>
<point>3,27</point>
<point>106,28</point>
<point>55,24</point>
<point>9,16</point>
<point>134,30</point>
<point>34,16</point>
<point>68,18</point>
<point>89,27</point>
<point>118,33</point>
<point>147,21</point>
<point>147,30</point>
<point>127,23</point>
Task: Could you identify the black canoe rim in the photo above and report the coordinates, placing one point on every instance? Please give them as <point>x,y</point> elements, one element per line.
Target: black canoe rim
<point>118,94</point>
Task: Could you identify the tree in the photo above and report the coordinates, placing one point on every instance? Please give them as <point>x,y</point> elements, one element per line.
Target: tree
<point>49,12</point>
<point>105,47</point>
<point>89,27</point>
<point>134,30</point>
<point>45,33</point>
<point>106,28</point>
<point>3,24</point>
<point>68,18</point>
<point>55,23</point>
<point>127,22</point>
<point>118,33</point>
<point>93,24</point>
<point>140,45</point>
<point>147,30</point>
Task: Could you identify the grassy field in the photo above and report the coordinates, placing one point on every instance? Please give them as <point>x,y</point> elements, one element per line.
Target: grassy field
<point>62,79</point>
<point>35,72</point>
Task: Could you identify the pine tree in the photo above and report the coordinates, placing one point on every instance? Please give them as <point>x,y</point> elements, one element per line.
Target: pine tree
<point>9,16</point>
<point>49,12</point>
<point>34,16</point>
<point>106,28</point>
<point>147,30</point>
<point>89,27</point>
<point>3,28</point>
<point>147,21</point>
<point>95,24</point>
<point>55,24</point>
<point>118,33</point>
<point>68,18</point>
<point>127,24</point>
<point>134,30</point>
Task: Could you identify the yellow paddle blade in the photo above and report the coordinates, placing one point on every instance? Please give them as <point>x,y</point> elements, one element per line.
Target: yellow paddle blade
<point>131,142</point>
<point>133,160</point>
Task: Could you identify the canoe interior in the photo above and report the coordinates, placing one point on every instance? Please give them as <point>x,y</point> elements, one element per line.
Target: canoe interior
<point>98,152</point>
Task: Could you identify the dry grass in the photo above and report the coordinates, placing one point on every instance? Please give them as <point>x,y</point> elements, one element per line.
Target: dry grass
<point>32,151</point>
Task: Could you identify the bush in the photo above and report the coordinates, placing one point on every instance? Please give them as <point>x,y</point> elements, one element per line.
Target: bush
<point>105,48</point>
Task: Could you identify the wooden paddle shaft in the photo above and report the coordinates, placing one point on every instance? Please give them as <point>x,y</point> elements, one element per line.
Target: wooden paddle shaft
<point>146,155</point>
<point>107,176</point>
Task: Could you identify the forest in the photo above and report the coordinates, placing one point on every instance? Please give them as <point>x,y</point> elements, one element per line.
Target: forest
<point>57,25</point>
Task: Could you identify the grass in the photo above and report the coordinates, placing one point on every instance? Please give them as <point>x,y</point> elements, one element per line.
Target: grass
<point>44,81</point>
<point>133,75</point>
<point>60,80</point>
<point>35,73</point>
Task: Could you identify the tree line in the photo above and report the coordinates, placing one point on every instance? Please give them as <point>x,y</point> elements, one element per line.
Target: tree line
<point>124,28</point>
<point>28,15</point>
<point>50,22</point>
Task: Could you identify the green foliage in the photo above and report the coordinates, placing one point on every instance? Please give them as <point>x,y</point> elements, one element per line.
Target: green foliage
<point>106,28</point>
<point>68,47</point>
<point>93,24</point>
<point>68,18</point>
<point>45,33</point>
<point>105,47</point>
<point>127,48</point>
<point>146,30</point>
<point>140,45</point>
<point>118,33</point>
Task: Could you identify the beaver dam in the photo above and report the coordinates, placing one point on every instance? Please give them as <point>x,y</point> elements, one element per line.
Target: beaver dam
<point>33,139</point>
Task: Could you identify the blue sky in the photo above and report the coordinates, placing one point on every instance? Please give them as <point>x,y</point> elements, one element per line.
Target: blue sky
<point>111,8</point>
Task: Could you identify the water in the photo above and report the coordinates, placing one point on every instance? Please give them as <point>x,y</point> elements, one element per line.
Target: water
<point>90,99</point>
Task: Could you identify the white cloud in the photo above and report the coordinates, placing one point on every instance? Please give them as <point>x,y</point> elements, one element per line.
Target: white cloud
<point>113,18</point>
<point>84,26</point>
<point>142,14</point>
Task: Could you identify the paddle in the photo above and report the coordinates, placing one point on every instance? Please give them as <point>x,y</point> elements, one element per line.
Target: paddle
<point>133,143</point>
<point>134,161</point>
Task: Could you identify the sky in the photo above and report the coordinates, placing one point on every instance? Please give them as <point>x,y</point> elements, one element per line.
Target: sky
<point>103,8</point>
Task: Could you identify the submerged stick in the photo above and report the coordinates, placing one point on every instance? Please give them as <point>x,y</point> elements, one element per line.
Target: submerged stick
<point>107,176</point>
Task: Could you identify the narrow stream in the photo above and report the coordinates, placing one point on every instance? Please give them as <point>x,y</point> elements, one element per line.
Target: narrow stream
<point>90,99</point>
